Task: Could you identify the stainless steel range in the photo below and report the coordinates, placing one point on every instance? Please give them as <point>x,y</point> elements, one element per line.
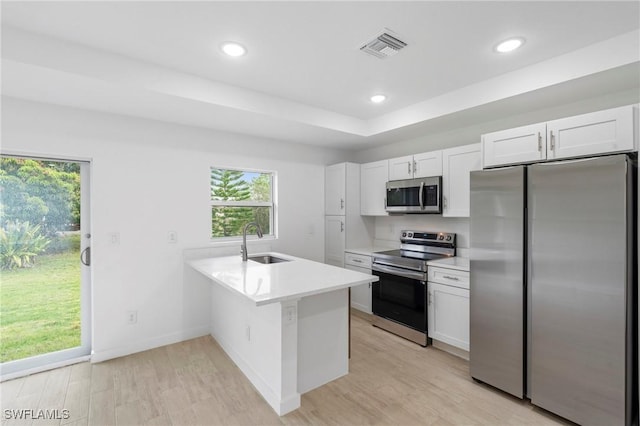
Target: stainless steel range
<point>399,299</point>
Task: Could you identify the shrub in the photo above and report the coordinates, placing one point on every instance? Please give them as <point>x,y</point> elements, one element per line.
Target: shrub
<point>20,243</point>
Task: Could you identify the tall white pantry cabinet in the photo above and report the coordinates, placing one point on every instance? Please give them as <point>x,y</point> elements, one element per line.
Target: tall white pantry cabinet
<point>344,227</point>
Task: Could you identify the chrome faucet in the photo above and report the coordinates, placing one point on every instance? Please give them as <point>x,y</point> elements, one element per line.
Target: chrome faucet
<point>243,248</point>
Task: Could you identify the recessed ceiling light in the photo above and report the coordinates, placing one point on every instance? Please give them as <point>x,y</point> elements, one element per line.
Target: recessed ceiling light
<point>234,49</point>
<point>376,99</point>
<point>509,45</point>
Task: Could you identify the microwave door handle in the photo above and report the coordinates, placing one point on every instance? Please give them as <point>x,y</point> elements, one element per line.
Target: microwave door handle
<point>421,196</point>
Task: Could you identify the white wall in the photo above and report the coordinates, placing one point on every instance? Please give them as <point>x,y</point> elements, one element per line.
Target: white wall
<point>148,178</point>
<point>388,228</point>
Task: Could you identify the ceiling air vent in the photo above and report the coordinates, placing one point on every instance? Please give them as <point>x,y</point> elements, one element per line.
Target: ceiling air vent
<point>384,45</point>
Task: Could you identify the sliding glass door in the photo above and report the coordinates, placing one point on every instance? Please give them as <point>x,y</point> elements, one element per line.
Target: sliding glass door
<point>45,288</point>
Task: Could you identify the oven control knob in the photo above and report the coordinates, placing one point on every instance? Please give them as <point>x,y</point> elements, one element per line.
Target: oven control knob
<point>410,234</point>
<point>441,237</point>
<point>404,234</point>
<point>448,237</point>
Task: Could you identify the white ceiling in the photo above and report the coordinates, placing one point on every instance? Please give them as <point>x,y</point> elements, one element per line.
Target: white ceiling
<point>304,78</point>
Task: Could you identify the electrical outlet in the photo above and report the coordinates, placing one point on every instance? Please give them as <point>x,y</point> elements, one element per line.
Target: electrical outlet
<point>172,237</point>
<point>132,317</point>
<point>290,314</point>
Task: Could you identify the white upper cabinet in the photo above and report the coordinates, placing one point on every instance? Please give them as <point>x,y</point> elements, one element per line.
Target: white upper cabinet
<point>599,132</point>
<point>457,164</point>
<point>427,164</point>
<point>513,146</point>
<point>416,166</point>
<point>595,133</point>
<point>335,189</point>
<point>373,179</point>
<point>401,168</point>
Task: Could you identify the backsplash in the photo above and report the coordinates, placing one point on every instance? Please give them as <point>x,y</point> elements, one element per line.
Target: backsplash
<point>387,229</point>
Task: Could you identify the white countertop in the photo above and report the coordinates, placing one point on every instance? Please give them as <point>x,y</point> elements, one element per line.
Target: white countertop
<point>459,263</point>
<point>276,282</point>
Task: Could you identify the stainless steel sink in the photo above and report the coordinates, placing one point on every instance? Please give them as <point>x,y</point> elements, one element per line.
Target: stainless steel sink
<point>267,259</point>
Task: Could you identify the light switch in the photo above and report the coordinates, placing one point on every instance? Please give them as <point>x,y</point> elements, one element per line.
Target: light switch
<point>114,238</point>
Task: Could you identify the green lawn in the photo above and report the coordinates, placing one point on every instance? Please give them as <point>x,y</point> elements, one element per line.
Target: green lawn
<point>40,307</point>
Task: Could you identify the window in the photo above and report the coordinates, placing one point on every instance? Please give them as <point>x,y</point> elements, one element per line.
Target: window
<point>239,197</point>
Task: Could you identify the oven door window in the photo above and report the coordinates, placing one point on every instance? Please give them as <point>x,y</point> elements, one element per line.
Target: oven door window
<point>400,299</point>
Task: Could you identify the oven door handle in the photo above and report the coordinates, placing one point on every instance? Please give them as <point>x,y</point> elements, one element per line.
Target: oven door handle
<point>421,195</point>
<point>414,275</point>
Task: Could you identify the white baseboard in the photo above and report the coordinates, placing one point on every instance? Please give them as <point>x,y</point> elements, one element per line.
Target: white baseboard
<point>152,343</point>
<point>451,349</point>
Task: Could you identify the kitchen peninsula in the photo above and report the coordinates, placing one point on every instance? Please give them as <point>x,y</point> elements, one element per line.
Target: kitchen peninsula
<point>285,324</point>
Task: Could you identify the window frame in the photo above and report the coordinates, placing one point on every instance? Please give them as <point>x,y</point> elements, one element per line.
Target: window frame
<point>247,203</point>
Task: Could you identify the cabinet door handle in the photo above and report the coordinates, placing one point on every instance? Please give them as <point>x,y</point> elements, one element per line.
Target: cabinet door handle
<point>409,167</point>
<point>430,298</point>
<point>341,203</point>
<point>553,140</point>
<point>449,277</point>
<point>341,226</point>
<point>415,166</point>
<point>539,142</point>
<point>444,201</point>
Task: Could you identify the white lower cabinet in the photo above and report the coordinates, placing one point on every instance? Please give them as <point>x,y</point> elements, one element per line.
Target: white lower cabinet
<point>448,306</point>
<point>361,294</point>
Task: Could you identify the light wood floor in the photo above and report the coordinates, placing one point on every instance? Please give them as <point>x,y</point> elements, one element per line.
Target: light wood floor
<point>391,382</point>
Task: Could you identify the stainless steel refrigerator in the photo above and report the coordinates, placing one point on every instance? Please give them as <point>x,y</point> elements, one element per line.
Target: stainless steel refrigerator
<point>553,286</point>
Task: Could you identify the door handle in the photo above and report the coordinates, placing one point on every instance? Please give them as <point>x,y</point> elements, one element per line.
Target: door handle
<point>341,226</point>
<point>553,140</point>
<point>85,256</point>
<point>421,196</point>
<point>409,167</point>
<point>341,203</point>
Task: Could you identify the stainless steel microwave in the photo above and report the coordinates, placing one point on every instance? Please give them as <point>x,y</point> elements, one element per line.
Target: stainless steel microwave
<point>423,195</point>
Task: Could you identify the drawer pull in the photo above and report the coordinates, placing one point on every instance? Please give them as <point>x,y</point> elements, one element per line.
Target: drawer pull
<point>451,278</point>
<point>357,260</point>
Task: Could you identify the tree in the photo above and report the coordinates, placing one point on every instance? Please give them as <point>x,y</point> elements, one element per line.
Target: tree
<point>43,193</point>
<point>229,185</point>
